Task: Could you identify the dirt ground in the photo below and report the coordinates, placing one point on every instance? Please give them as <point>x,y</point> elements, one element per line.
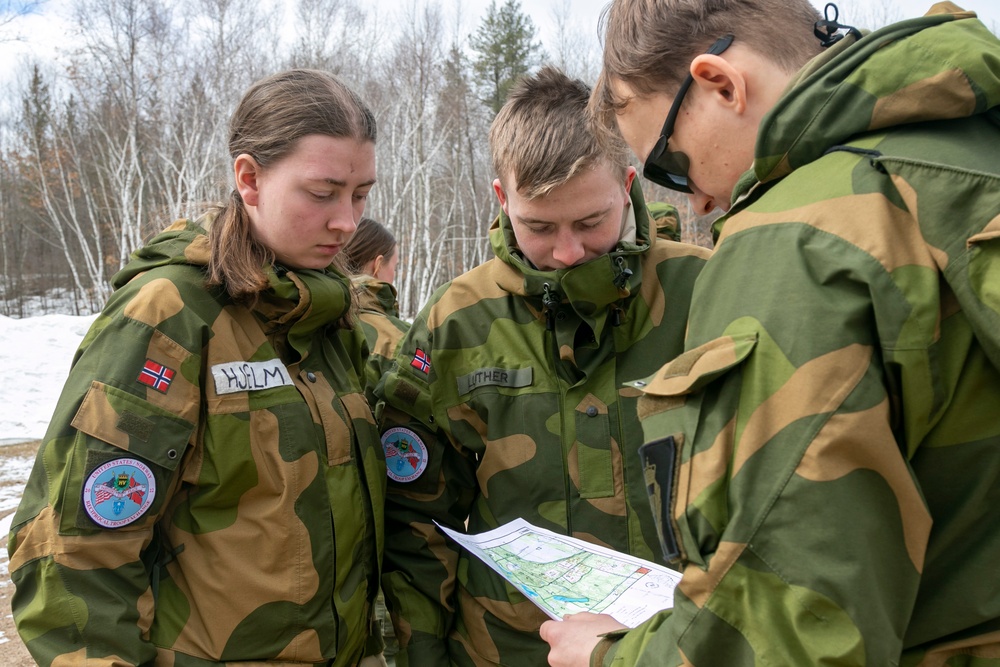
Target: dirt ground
<point>12,651</point>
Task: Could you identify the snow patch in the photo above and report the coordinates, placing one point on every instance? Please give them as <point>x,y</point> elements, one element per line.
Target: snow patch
<point>35,356</point>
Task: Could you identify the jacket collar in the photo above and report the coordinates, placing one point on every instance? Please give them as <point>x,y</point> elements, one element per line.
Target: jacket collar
<point>589,290</point>
<point>297,303</point>
<point>375,295</point>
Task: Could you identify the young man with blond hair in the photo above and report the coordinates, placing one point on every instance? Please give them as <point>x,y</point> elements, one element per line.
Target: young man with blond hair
<point>827,449</point>
<point>507,400</point>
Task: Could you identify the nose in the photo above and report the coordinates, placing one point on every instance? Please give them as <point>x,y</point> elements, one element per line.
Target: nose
<point>342,218</point>
<point>701,203</point>
<point>568,250</point>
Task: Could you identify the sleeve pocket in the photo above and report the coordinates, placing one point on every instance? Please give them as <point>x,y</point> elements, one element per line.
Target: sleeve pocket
<point>130,423</point>
<point>668,458</point>
<point>660,468</point>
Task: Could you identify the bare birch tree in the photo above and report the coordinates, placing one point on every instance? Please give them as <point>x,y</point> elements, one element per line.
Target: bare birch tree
<point>408,150</point>
<point>576,50</point>
<point>335,35</point>
<point>129,131</point>
<point>10,10</point>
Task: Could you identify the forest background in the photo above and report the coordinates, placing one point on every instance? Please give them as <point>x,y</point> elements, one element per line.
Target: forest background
<point>117,127</point>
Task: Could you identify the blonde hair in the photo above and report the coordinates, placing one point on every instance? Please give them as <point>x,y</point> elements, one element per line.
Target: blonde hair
<point>542,136</point>
<point>273,115</point>
<point>649,44</point>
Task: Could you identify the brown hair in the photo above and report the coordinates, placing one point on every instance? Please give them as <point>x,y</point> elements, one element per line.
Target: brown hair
<point>273,115</point>
<point>542,136</point>
<point>649,44</point>
<point>370,240</point>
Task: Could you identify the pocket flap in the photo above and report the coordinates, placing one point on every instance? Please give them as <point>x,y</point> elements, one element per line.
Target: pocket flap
<point>989,233</point>
<point>133,424</point>
<point>695,368</point>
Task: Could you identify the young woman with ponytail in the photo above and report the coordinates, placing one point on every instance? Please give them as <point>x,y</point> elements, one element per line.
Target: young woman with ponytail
<point>210,489</point>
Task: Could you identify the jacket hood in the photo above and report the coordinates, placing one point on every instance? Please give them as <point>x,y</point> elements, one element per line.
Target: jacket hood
<point>296,303</point>
<point>375,295</point>
<point>944,65</point>
<point>183,242</point>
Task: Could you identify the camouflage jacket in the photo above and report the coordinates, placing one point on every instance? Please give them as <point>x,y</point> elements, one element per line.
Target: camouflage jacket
<point>824,458</point>
<point>666,220</point>
<point>378,314</point>
<point>210,487</point>
<point>512,379</point>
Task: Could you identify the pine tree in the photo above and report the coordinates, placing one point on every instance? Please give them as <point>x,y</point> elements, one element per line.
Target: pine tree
<point>507,50</point>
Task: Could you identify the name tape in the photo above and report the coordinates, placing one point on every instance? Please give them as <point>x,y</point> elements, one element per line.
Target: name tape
<point>237,376</point>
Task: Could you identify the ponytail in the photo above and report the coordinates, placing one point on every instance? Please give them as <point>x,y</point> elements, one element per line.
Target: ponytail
<point>237,259</point>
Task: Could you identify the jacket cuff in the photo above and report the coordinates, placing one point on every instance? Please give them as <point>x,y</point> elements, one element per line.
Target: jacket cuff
<point>605,650</point>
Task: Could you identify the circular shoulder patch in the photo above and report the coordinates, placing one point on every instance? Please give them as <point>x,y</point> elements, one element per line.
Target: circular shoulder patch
<point>119,492</point>
<point>405,454</point>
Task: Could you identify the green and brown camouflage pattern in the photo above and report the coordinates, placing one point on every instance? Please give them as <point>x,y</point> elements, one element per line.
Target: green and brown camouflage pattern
<point>524,421</point>
<point>378,318</point>
<point>263,541</point>
<point>666,220</point>
<point>824,459</point>
<point>378,315</point>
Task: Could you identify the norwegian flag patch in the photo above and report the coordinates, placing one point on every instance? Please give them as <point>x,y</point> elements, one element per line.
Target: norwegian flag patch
<point>421,361</point>
<point>156,376</point>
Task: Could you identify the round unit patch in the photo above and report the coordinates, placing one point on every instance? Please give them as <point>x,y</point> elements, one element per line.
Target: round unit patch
<point>119,492</point>
<point>405,454</point>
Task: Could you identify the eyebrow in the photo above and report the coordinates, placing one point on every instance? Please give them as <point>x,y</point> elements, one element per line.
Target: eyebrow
<point>342,184</point>
<point>595,214</point>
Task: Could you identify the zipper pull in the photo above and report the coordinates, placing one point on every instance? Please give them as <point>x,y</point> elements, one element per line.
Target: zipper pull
<point>624,273</point>
<point>549,304</point>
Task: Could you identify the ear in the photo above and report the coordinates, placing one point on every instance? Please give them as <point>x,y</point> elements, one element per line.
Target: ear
<point>629,177</point>
<point>725,83</point>
<point>501,195</point>
<point>247,171</point>
<point>376,265</point>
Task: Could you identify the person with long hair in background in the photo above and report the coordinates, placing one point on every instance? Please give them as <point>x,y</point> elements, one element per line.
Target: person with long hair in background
<point>372,259</point>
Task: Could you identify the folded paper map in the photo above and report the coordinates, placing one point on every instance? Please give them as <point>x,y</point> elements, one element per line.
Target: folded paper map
<point>564,575</point>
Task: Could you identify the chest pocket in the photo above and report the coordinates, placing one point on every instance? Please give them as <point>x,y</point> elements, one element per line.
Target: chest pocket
<point>672,410</point>
<point>333,415</point>
<point>598,462</point>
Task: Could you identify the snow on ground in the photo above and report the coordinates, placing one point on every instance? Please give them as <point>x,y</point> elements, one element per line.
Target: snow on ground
<point>13,476</point>
<point>35,354</point>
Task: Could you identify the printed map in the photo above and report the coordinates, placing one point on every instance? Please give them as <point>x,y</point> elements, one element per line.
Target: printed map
<point>564,575</point>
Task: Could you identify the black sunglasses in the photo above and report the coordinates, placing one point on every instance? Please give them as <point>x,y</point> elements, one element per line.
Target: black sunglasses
<point>667,168</point>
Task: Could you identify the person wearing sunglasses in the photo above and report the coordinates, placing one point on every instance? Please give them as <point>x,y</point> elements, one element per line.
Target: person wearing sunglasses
<point>825,454</point>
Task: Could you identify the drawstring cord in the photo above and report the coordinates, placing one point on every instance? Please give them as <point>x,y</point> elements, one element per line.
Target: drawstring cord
<point>828,29</point>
